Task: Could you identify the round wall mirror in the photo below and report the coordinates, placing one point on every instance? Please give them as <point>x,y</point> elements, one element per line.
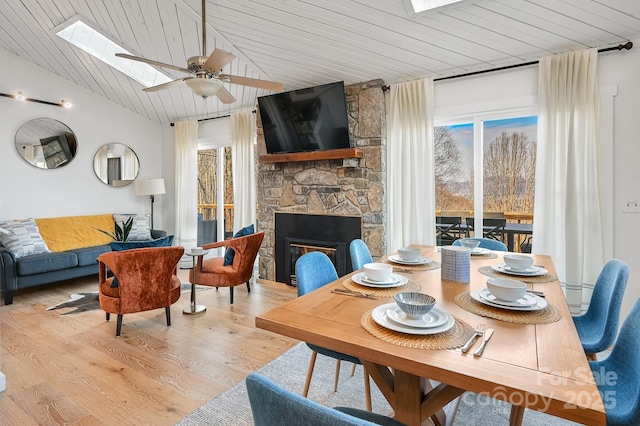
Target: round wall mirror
<point>116,164</point>
<point>46,143</point>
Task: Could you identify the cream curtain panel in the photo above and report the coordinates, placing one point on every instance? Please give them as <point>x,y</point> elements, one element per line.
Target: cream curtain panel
<point>568,221</point>
<point>243,136</point>
<point>186,181</point>
<point>410,174</point>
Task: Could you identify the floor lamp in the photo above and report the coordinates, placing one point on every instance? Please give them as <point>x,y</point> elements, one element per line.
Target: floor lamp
<point>150,187</point>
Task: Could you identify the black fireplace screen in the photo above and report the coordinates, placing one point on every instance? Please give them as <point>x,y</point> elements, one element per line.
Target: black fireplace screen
<point>296,234</point>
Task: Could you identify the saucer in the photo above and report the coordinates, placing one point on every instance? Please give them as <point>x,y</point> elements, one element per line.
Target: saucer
<point>434,318</point>
<point>419,261</point>
<point>379,316</point>
<point>526,301</point>
<point>391,280</point>
<point>533,271</point>
<point>398,280</point>
<point>540,302</point>
<point>480,251</point>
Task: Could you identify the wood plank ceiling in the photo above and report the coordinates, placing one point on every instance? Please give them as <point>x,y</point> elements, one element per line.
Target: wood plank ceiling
<point>302,43</point>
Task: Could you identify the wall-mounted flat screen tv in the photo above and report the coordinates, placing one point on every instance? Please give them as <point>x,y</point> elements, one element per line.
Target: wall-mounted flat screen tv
<point>309,119</point>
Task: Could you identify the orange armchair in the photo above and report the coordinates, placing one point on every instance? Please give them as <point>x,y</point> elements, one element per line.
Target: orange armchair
<point>212,272</point>
<point>146,280</point>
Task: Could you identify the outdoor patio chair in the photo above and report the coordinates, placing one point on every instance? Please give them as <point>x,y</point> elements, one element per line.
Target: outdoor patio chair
<point>491,228</point>
<point>448,229</point>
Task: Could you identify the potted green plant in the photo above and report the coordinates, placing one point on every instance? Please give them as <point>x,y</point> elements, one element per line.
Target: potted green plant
<point>121,231</point>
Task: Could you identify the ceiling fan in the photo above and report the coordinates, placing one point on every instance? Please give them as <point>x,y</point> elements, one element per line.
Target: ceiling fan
<point>206,79</point>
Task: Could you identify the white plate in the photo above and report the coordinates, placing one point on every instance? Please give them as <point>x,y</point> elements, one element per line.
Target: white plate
<point>398,280</point>
<point>419,261</point>
<point>391,280</point>
<point>541,303</point>
<point>526,301</point>
<point>479,251</point>
<point>434,318</point>
<point>534,271</point>
<point>379,315</point>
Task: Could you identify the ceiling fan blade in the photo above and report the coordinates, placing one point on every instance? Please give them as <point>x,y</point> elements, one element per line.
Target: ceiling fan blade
<point>253,82</point>
<point>224,96</point>
<point>166,85</point>
<point>151,62</point>
<point>217,60</point>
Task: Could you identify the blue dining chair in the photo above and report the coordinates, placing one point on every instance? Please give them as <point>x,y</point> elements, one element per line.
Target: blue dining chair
<point>273,405</point>
<point>314,270</point>
<point>618,375</point>
<point>598,326</point>
<point>486,243</point>
<point>360,254</point>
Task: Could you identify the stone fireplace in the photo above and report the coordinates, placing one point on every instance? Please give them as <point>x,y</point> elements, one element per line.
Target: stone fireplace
<point>297,234</point>
<point>351,187</point>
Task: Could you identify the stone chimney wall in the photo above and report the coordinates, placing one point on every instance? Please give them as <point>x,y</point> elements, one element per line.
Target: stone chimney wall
<point>350,187</point>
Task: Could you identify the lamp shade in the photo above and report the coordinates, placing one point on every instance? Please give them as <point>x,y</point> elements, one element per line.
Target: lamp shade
<point>150,186</point>
<point>203,87</point>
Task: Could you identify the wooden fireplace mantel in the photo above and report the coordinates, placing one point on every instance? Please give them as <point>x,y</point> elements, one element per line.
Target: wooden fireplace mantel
<point>332,154</point>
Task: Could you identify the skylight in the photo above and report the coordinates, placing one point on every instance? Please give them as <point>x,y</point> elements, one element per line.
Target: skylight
<point>86,38</point>
<point>422,5</point>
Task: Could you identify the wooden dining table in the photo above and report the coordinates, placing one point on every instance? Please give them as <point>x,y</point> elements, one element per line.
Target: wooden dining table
<point>541,367</point>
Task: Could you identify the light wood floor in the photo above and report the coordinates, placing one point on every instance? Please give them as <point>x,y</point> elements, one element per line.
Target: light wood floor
<point>73,370</point>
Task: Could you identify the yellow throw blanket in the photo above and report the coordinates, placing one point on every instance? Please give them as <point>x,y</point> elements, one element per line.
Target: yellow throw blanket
<point>73,232</point>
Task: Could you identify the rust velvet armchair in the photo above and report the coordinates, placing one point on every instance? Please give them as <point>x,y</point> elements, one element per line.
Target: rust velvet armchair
<point>144,279</point>
<point>212,272</point>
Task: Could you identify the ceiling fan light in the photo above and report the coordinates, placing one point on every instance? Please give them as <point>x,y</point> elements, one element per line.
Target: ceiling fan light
<point>203,87</point>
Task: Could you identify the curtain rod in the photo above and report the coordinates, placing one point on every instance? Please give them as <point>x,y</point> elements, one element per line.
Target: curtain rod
<point>213,118</point>
<point>626,46</point>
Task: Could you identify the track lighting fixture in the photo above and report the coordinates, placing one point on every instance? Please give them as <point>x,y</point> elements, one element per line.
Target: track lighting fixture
<point>19,96</point>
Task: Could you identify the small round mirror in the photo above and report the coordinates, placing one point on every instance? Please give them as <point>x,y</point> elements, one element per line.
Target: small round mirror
<point>116,164</point>
<point>46,143</point>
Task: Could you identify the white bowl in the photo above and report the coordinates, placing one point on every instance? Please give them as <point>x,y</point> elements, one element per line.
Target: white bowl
<point>197,250</point>
<point>378,271</point>
<point>506,289</point>
<point>409,253</point>
<point>518,262</point>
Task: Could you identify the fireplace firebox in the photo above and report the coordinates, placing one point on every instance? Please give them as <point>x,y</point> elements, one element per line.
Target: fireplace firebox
<point>298,233</point>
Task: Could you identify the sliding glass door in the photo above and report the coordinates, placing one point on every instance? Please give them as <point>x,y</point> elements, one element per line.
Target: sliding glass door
<point>501,148</point>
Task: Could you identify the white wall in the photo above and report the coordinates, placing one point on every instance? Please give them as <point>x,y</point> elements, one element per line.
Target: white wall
<point>615,69</point>
<point>74,189</point>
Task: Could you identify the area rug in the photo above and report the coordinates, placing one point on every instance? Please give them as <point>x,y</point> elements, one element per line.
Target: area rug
<point>289,370</point>
<point>83,302</point>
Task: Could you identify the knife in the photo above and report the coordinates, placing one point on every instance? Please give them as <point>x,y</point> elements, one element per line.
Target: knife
<point>487,336</point>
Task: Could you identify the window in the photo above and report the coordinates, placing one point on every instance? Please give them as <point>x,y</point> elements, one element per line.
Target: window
<point>214,173</point>
<point>502,149</point>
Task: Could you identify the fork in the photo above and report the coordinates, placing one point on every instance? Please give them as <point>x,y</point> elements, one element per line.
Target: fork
<point>478,332</point>
<point>352,293</point>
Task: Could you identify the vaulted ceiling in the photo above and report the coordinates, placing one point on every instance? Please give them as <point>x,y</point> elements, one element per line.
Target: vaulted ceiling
<point>302,43</point>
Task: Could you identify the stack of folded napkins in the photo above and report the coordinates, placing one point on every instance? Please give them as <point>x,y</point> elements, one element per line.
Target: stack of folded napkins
<point>456,264</point>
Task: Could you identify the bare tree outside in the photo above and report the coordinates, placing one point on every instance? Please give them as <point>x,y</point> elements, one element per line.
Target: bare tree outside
<point>452,189</point>
<point>509,173</point>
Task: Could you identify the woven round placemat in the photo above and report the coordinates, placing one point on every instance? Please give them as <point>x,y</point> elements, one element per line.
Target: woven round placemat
<point>491,255</point>
<point>381,292</point>
<point>455,337</point>
<point>544,316</point>
<point>546,278</point>
<point>400,267</point>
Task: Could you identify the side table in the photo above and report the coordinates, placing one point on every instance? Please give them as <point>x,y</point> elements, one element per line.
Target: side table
<point>193,308</point>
